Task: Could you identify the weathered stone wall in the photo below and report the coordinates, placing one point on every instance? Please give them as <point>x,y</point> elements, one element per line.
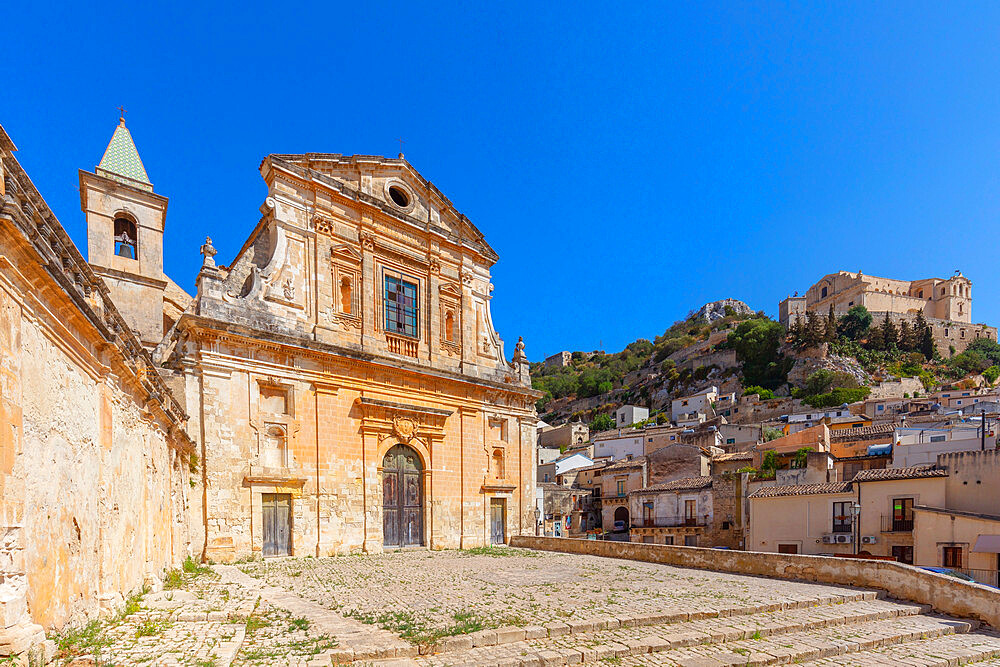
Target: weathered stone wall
<point>94,481</point>
<point>945,594</point>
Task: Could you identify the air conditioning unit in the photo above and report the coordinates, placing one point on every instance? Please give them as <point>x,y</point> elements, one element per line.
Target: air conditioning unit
<point>844,539</point>
<point>869,539</point>
<point>829,539</point>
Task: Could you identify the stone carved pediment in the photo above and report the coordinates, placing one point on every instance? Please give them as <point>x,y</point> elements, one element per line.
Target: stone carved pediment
<point>345,252</point>
<point>451,290</point>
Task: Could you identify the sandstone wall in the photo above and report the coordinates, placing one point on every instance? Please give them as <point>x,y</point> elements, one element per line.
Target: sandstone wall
<point>94,481</point>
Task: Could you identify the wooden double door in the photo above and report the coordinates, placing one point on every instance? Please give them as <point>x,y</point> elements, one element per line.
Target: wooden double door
<point>402,498</point>
<point>276,515</point>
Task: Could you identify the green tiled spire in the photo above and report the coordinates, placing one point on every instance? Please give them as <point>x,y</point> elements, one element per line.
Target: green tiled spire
<point>121,160</point>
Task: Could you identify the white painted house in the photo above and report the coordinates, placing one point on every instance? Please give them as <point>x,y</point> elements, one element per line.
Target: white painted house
<point>627,415</point>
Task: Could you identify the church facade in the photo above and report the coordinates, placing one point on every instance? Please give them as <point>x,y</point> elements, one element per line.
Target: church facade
<point>344,375</point>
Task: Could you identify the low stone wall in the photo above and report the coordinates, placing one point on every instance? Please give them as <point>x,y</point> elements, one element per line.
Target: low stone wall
<point>945,594</point>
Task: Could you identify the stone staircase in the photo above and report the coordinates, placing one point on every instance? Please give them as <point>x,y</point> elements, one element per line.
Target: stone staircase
<point>854,629</point>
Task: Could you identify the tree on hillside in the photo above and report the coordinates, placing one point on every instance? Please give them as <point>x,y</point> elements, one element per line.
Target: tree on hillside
<point>988,348</point>
<point>756,343</point>
<point>830,335</point>
<point>602,422</point>
<point>927,345</point>
<point>855,324</point>
<point>890,337</point>
<point>907,337</point>
<point>815,330</point>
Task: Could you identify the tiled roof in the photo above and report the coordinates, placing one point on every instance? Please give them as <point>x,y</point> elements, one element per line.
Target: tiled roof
<point>121,160</point>
<point>882,474</point>
<point>862,431</point>
<point>801,490</point>
<point>683,484</point>
<point>624,464</point>
<point>735,456</point>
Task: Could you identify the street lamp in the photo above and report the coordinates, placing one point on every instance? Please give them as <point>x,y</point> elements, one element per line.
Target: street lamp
<point>538,520</point>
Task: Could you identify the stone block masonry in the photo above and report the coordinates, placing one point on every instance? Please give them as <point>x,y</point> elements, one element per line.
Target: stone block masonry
<point>945,594</point>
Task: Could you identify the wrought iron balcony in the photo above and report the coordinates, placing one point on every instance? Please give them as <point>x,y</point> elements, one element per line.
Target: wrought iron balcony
<point>892,524</point>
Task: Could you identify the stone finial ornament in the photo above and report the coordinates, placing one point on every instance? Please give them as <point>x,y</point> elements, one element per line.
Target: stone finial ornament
<point>208,252</point>
<point>519,350</point>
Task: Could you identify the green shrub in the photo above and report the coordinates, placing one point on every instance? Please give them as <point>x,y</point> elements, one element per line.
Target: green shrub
<point>837,397</point>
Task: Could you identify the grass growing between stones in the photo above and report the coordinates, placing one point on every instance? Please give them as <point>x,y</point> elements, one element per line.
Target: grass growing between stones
<point>420,631</point>
<point>499,552</point>
<point>85,640</point>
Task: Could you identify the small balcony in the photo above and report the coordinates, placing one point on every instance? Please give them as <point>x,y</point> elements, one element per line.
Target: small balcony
<point>892,524</point>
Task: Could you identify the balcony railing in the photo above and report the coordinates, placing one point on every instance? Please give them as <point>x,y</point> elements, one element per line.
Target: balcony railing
<point>669,523</point>
<point>404,346</point>
<point>892,524</point>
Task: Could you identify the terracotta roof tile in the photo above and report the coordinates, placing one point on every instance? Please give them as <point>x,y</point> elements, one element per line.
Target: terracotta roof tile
<point>683,484</point>
<point>853,433</point>
<point>735,456</point>
<point>881,474</point>
<point>801,490</point>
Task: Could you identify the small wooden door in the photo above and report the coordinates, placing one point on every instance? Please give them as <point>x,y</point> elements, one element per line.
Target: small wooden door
<point>788,548</point>
<point>402,498</point>
<point>498,521</point>
<point>277,518</point>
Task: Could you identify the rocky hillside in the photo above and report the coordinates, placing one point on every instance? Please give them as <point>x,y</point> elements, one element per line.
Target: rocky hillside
<point>725,343</point>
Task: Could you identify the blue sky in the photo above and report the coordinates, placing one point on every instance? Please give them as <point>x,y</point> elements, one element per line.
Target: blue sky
<point>627,165</point>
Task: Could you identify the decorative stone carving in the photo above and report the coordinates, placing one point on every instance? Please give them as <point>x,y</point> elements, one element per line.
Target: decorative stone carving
<point>466,277</point>
<point>368,241</point>
<point>208,253</point>
<point>404,428</point>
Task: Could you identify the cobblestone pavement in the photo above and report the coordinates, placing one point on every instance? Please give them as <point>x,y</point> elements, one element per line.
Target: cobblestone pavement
<point>518,608</point>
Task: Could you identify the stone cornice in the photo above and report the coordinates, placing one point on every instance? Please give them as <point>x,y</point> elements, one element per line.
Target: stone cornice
<point>198,324</point>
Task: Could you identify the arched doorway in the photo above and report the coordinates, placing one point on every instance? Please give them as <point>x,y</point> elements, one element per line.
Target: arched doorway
<point>621,514</point>
<point>402,498</point>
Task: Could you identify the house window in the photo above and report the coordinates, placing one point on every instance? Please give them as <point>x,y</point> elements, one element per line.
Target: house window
<point>726,525</point>
<point>939,438</point>
<point>788,548</point>
<point>823,293</point>
<point>126,239</point>
<point>842,517</point>
<point>620,484</point>
<point>690,512</point>
<point>730,441</point>
<point>401,307</point>
<point>647,513</point>
<point>951,557</point>
<point>904,554</point>
<point>902,514</point>
<point>690,540</point>
<point>669,539</point>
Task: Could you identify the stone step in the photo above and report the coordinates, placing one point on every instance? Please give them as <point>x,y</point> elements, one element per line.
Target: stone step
<point>981,649</point>
<point>588,626</point>
<point>623,642</point>
<point>844,643</point>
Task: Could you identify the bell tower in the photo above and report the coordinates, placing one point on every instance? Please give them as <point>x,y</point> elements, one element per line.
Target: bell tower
<point>125,221</point>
